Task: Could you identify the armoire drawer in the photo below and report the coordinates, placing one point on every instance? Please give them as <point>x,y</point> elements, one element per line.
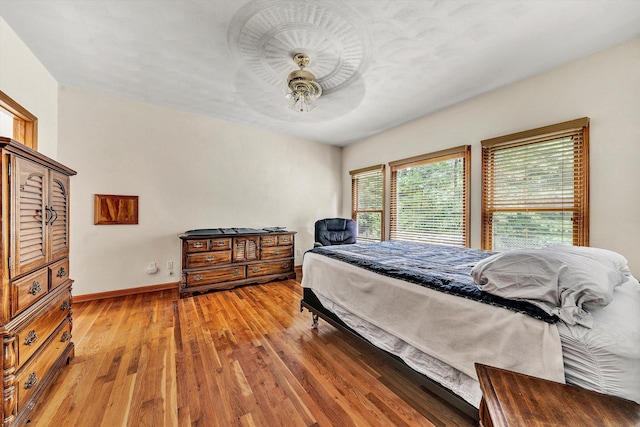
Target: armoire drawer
<point>33,373</point>
<point>267,268</point>
<point>31,335</point>
<point>217,275</point>
<point>59,272</point>
<point>205,259</point>
<point>277,252</point>
<point>30,289</point>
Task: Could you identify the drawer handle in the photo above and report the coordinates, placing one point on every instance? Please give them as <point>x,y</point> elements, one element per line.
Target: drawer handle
<point>269,240</point>
<point>285,265</point>
<point>61,272</point>
<point>276,252</point>
<point>65,305</point>
<point>236,272</point>
<point>32,337</point>
<point>220,243</point>
<point>285,240</point>
<point>198,245</point>
<point>35,288</point>
<point>209,258</point>
<point>197,278</point>
<point>32,381</point>
<point>66,336</point>
<point>255,269</point>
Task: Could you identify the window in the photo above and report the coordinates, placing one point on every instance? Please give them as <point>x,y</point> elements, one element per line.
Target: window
<point>367,202</point>
<point>17,123</point>
<point>535,188</point>
<point>430,197</point>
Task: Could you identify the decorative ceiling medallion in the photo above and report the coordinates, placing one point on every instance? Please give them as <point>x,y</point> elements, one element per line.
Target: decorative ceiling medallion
<point>265,34</point>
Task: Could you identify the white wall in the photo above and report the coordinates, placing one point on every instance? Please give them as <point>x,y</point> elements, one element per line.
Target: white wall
<point>604,87</point>
<point>189,172</point>
<point>26,81</point>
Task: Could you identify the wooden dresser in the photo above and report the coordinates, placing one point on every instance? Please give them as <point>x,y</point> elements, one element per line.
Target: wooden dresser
<point>223,258</point>
<point>513,399</point>
<point>36,288</point>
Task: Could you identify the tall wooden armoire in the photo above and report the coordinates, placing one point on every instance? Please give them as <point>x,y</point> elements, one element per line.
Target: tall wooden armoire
<point>35,309</point>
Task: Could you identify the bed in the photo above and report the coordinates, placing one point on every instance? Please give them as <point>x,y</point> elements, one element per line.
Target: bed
<point>562,313</point>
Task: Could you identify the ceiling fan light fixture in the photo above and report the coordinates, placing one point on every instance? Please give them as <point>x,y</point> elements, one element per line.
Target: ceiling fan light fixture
<point>302,89</point>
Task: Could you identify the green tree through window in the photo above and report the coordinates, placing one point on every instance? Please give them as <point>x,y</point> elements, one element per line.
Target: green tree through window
<point>429,200</point>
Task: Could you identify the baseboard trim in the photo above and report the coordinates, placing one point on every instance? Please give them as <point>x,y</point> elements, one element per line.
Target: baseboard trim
<point>145,289</point>
<point>125,292</point>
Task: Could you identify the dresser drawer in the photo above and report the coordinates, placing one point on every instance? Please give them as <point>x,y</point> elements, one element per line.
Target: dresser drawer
<point>205,245</point>
<point>267,268</point>
<point>59,272</point>
<point>221,244</point>
<point>277,252</point>
<point>30,289</point>
<point>285,240</point>
<point>206,259</point>
<point>269,241</point>
<point>33,373</point>
<point>197,245</point>
<point>217,275</point>
<point>35,332</point>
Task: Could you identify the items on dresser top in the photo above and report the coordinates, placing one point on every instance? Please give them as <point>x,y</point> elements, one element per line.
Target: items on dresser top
<point>223,258</point>
<point>217,231</point>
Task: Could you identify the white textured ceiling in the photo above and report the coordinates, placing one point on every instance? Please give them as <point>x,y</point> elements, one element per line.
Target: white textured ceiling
<point>381,63</point>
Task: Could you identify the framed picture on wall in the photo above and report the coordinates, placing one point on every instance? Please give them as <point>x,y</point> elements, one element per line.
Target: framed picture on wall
<point>110,209</point>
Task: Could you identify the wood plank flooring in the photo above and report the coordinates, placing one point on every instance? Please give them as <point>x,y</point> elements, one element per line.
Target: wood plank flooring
<point>242,357</point>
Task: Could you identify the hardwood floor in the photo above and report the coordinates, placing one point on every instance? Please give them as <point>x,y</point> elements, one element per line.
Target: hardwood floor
<point>242,357</point>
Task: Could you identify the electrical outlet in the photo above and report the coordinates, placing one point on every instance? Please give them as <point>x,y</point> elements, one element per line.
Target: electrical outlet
<point>299,252</point>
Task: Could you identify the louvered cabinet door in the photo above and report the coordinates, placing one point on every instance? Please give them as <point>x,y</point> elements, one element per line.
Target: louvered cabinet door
<point>59,215</point>
<point>245,249</point>
<point>29,216</point>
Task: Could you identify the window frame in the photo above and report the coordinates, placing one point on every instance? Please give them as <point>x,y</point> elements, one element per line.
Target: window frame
<point>25,124</point>
<point>463,152</point>
<point>577,127</point>
<point>355,176</point>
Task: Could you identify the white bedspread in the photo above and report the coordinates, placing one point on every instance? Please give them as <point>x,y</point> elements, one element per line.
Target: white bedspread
<point>606,357</point>
<point>459,383</point>
<point>455,330</point>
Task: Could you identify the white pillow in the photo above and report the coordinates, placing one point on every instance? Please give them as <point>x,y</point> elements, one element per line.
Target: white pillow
<point>561,281</point>
<point>603,256</point>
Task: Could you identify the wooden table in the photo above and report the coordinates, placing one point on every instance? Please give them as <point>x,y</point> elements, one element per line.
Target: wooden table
<point>513,399</point>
